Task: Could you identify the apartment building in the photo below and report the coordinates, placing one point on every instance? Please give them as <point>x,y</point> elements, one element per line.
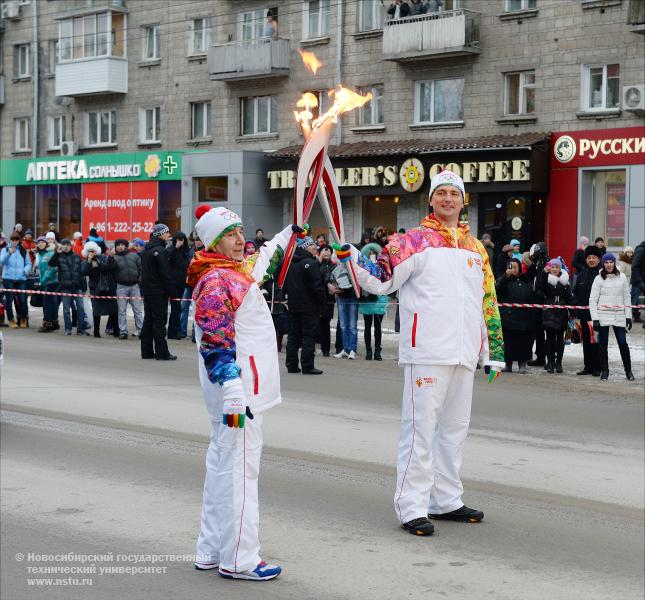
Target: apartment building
<point>157,105</point>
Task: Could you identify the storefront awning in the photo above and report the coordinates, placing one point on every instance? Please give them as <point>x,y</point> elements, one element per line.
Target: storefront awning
<point>420,147</point>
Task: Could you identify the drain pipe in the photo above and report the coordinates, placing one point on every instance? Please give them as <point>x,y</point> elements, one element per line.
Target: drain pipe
<point>36,76</point>
<point>339,63</point>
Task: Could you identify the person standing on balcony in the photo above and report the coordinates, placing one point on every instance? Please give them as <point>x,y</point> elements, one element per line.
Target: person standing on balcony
<point>399,9</point>
<point>418,7</point>
<point>435,6</point>
<point>271,26</point>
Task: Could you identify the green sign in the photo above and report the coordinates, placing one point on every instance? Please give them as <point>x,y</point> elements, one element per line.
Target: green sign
<point>128,166</point>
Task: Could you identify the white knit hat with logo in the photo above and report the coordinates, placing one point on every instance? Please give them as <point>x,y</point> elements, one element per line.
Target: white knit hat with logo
<point>213,223</point>
<point>447,178</point>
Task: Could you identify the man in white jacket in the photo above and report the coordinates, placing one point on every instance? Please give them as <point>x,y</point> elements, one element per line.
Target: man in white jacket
<point>449,321</point>
<point>239,374</point>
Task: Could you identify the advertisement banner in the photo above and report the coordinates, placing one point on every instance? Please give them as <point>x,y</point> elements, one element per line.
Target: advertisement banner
<point>615,213</point>
<point>120,209</point>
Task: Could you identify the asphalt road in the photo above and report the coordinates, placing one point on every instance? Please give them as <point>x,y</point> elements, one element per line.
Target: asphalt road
<point>103,453</point>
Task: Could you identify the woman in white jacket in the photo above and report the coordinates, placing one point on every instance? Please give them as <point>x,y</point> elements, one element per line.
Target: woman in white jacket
<point>611,288</point>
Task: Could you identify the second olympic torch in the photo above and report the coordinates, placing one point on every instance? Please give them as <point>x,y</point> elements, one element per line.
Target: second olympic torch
<point>315,176</point>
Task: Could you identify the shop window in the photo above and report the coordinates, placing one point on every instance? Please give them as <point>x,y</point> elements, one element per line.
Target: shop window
<point>512,5</point>
<point>57,131</point>
<point>371,15</point>
<point>200,120</point>
<point>150,125</point>
<point>519,93</point>
<point>600,87</point>
<point>151,45</point>
<point>316,19</point>
<point>212,189</point>
<point>439,101</point>
<point>603,210</point>
<point>372,112</point>
<point>46,207</point>
<point>21,65</point>
<point>69,209</point>
<point>100,128</point>
<point>380,211</point>
<point>170,204</point>
<point>26,207</point>
<point>22,134</point>
<point>201,35</point>
<point>259,115</point>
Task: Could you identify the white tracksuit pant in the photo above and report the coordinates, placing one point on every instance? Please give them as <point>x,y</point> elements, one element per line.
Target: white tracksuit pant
<point>434,425</point>
<point>230,517</point>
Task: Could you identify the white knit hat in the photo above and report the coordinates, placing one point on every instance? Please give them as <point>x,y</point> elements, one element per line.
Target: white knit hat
<point>50,235</point>
<point>90,246</point>
<point>213,223</point>
<point>447,178</point>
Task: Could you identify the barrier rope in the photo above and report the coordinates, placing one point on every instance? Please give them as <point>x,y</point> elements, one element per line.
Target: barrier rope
<point>503,304</point>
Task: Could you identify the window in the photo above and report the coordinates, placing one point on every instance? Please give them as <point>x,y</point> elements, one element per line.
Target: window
<point>98,34</point>
<point>604,204</point>
<point>57,131</point>
<point>52,51</point>
<point>439,101</point>
<point>372,112</point>
<point>150,124</point>
<point>519,93</point>
<point>371,15</point>
<point>201,35</point>
<point>23,135</point>
<point>512,5</point>
<point>200,120</point>
<point>316,19</point>
<point>259,115</point>
<point>101,128</point>
<point>600,87</point>
<point>150,43</point>
<point>253,24</point>
<point>21,60</point>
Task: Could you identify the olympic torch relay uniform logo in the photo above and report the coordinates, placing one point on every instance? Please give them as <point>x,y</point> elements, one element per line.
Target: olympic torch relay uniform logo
<point>423,382</point>
<point>152,166</point>
<point>565,149</point>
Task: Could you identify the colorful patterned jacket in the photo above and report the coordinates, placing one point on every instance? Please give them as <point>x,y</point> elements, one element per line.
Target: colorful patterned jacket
<point>233,325</point>
<point>448,307</point>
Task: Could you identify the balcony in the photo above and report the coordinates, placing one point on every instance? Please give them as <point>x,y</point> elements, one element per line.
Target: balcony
<point>99,75</point>
<point>239,61</point>
<point>432,36</point>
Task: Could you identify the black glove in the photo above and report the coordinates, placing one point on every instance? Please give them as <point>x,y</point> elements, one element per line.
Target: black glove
<point>629,325</point>
<point>596,325</point>
<point>297,229</point>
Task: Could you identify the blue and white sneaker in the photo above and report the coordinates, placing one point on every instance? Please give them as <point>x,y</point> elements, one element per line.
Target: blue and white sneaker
<point>200,566</point>
<point>262,572</point>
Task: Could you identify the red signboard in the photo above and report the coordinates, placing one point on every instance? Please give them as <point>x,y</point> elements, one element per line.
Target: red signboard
<point>120,209</point>
<point>598,148</point>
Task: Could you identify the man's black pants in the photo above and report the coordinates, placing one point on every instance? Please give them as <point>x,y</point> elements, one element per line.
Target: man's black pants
<point>303,330</point>
<point>153,331</point>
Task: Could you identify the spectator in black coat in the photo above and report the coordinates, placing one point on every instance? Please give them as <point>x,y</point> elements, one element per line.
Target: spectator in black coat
<point>517,323</point>
<point>259,240</point>
<point>101,283</point>
<point>70,281</point>
<point>538,256</point>
<point>305,296</point>
<point>178,259</point>
<point>638,270</point>
<point>502,261</point>
<point>156,288</point>
<point>581,293</point>
<point>554,283</point>
<point>398,9</point>
<point>579,262</point>
<point>327,308</point>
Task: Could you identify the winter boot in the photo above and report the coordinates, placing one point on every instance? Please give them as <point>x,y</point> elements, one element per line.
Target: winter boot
<point>636,315</point>
<point>46,327</point>
<point>604,364</point>
<point>368,353</point>
<point>522,370</point>
<point>508,368</point>
<point>13,324</point>
<point>627,362</point>
<point>558,361</point>
<point>55,325</point>
<point>24,323</point>
<point>550,366</point>
<point>377,354</point>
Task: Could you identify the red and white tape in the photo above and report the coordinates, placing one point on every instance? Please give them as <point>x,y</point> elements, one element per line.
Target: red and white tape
<point>504,304</point>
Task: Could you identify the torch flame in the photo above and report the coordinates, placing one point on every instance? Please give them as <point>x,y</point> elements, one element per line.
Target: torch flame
<point>344,101</point>
<point>307,101</point>
<point>310,60</point>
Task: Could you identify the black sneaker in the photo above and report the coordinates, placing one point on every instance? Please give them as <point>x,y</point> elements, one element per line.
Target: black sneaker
<point>462,515</point>
<point>313,371</point>
<point>420,526</point>
<point>167,357</point>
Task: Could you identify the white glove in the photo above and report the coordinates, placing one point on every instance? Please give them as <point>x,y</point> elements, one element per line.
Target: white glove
<point>234,407</point>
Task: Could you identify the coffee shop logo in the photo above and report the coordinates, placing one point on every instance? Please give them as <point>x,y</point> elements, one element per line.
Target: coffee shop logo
<point>411,175</point>
<point>565,149</point>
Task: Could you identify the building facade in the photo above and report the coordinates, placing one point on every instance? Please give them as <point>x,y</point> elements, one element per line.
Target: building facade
<point>482,87</point>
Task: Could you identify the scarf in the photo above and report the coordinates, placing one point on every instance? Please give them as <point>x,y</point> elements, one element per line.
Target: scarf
<point>203,262</point>
<point>431,222</point>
